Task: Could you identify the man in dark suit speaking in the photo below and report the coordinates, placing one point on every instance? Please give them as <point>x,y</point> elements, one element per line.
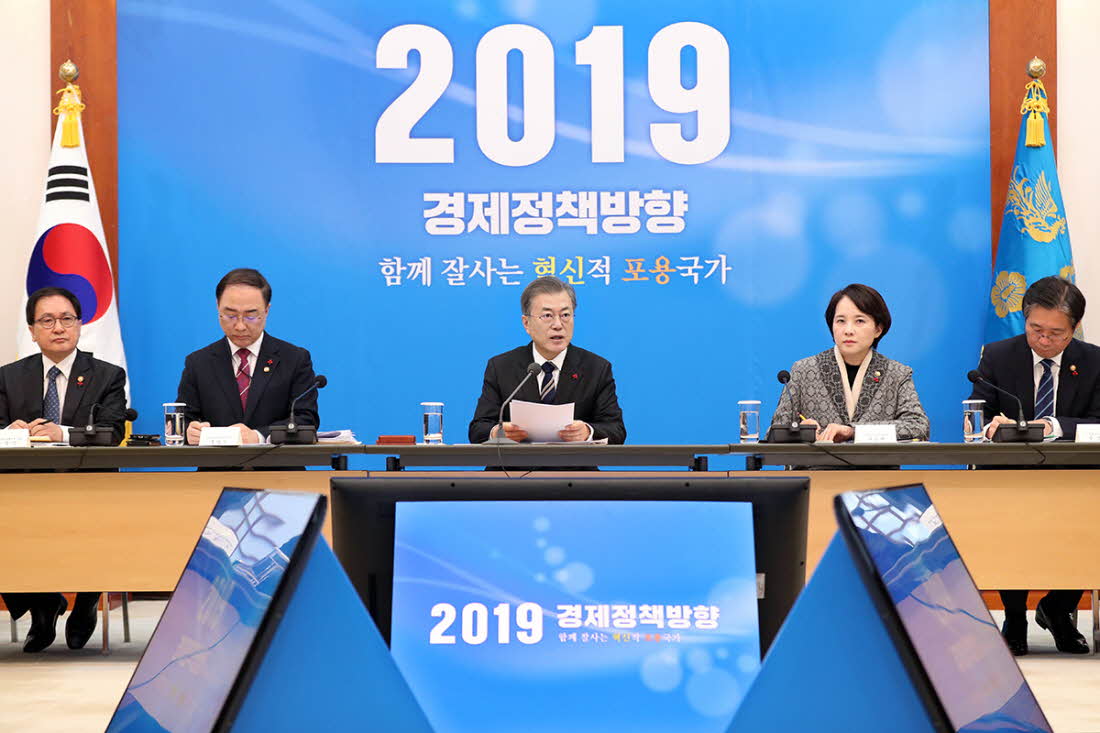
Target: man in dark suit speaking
<point>248,379</point>
<point>47,393</point>
<point>569,373</point>
<point>1058,380</point>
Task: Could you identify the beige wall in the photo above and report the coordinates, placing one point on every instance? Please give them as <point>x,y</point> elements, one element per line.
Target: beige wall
<point>24,143</point>
<point>1079,144</point>
<point>24,147</point>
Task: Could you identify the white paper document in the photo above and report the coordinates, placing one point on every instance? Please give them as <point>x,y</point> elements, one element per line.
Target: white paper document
<point>542,422</point>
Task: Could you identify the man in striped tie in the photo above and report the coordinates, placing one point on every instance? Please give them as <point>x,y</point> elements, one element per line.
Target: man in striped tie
<point>1057,378</point>
<point>247,379</point>
<point>567,374</point>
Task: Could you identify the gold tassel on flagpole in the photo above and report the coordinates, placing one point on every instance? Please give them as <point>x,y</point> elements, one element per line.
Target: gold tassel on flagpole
<point>70,106</point>
<point>1035,105</point>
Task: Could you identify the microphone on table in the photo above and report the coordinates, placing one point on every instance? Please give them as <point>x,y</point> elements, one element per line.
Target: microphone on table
<point>97,435</point>
<point>1021,432</point>
<point>532,369</point>
<point>793,433</point>
<point>292,433</point>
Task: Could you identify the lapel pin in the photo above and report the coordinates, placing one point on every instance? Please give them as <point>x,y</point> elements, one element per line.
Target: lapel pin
<point>80,381</point>
<point>877,375</point>
<point>575,375</point>
<point>267,369</point>
<point>1073,369</point>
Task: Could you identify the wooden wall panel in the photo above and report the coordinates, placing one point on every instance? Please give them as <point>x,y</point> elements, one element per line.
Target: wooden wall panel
<point>1018,31</point>
<point>84,31</point>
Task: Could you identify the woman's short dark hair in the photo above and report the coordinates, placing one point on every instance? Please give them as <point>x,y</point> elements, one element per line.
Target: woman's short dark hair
<point>244,276</point>
<point>37,295</point>
<point>545,285</point>
<point>1056,294</point>
<point>867,300</point>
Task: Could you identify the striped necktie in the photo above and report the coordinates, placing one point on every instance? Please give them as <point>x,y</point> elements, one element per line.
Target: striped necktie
<point>51,404</point>
<point>1044,395</point>
<point>546,394</point>
<point>244,379</point>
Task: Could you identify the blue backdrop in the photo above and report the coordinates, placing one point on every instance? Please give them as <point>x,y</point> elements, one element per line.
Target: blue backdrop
<point>858,152</point>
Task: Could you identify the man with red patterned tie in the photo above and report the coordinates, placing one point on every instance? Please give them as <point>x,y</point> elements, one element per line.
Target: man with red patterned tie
<point>247,379</point>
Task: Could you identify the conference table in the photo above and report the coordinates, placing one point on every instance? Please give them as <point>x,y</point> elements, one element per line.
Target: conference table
<point>70,520</point>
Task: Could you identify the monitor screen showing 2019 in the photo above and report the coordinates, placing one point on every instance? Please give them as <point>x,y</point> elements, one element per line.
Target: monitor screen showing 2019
<point>575,615</point>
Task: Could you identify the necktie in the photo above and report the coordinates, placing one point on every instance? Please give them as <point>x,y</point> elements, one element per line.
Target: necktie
<point>546,394</point>
<point>52,404</point>
<point>244,379</point>
<point>1044,396</point>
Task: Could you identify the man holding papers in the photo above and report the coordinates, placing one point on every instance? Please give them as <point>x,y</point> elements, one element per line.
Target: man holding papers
<point>568,374</point>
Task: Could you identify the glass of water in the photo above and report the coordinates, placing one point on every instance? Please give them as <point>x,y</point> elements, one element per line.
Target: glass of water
<point>174,428</point>
<point>749,420</point>
<point>433,422</point>
<point>973,419</point>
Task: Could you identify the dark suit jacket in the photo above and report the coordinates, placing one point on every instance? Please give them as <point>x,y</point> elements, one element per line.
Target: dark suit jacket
<point>1009,365</point>
<point>209,388</point>
<point>22,385</point>
<point>585,379</point>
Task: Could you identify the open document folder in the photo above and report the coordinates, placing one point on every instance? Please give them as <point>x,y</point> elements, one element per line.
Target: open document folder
<point>542,422</point>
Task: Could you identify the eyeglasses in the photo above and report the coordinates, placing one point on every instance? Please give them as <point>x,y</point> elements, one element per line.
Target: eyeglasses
<point>48,322</point>
<point>548,318</point>
<point>1054,335</point>
<point>233,318</point>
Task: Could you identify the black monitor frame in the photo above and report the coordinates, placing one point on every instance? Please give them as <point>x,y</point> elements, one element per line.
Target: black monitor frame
<point>265,632</point>
<point>888,612</point>
<point>363,513</point>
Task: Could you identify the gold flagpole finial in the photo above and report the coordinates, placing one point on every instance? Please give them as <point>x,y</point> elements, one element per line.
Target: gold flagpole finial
<point>1035,104</point>
<point>70,106</point>
<point>68,72</point>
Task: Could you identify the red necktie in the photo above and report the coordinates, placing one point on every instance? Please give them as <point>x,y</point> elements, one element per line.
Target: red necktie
<point>244,379</point>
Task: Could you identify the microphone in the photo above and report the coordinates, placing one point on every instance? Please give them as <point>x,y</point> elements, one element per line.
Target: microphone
<point>532,369</point>
<point>319,382</point>
<point>291,433</point>
<point>793,433</point>
<point>1021,431</point>
<point>90,427</point>
<point>97,435</point>
<point>975,376</point>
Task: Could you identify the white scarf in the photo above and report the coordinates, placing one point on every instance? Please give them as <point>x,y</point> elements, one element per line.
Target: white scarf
<point>851,393</point>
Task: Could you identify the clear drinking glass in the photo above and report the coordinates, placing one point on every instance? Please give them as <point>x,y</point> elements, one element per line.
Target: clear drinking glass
<point>433,422</point>
<point>973,419</point>
<point>174,429</point>
<point>749,420</point>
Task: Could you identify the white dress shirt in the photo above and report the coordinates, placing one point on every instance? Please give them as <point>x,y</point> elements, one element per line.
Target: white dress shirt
<point>66,367</point>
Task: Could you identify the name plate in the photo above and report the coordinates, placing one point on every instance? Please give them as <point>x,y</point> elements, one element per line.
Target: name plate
<point>1088,434</point>
<point>220,436</point>
<point>876,434</point>
<point>20,438</point>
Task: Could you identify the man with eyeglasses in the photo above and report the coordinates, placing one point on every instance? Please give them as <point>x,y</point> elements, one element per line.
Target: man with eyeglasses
<point>569,373</point>
<point>1057,377</point>
<point>46,394</point>
<point>247,379</point>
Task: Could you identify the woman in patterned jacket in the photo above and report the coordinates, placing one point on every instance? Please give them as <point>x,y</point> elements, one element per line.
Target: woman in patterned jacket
<point>852,382</point>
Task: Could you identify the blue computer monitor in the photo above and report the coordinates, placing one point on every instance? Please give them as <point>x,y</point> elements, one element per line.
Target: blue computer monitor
<point>960,666</point>
<point>212,635</point>
<point>614,604</point>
